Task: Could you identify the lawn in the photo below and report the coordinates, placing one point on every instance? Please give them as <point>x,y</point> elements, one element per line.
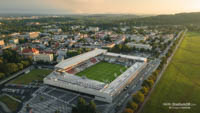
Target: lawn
<point>11,104</point>
<point>181,81</point>
<point>103,71</point>
<point>35,74</point>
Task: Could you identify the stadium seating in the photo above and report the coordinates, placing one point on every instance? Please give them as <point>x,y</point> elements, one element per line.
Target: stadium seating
<point>71,71</point>
<point>93,60</point>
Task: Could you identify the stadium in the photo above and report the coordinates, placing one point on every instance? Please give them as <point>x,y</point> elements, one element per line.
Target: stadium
<point>98,73</point>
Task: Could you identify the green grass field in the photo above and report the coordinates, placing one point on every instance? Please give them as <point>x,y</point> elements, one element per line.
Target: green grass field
<point>35,74</point>
<point>11,104</point>
<point>181,81</point>
<point>103,71</point>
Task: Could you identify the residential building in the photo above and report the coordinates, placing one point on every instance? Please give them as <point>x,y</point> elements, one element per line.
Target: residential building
<point>33,35</point>
<point>43,57</point>
<point>139,46</point>
<point>14,41</point>
<point>2,43</point>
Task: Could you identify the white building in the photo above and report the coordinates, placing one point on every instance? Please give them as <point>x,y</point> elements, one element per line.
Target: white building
<point>43,57</point>
<point>95,29</point>
<point>14,41</point>
<point>139,46</point>
<point>106,92</point>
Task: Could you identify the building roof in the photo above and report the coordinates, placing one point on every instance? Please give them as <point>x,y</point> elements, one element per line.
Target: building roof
<point>126,56</point>
<point>28,50</point>
<point>80,58</point>
<point>120,82</point>
<point>67,78</point>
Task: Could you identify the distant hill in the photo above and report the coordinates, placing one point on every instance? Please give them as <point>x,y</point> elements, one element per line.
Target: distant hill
<point>176,19</point>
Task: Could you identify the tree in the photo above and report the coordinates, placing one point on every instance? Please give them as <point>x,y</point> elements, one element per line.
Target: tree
<point>92,107</point>
<point>132,105</point>
<point>148,83</point>
<point>138,97</point>
<point>107,38</point>
<point>11,67</point>
<point>128,110</point>
<point>83,107</point>
<point>20,66</point>
<point>25,63</point>
<point>2,75</point>
<point>144,90</point>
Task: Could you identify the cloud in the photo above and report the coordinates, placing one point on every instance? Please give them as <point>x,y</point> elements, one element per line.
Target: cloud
<point>98,6</point>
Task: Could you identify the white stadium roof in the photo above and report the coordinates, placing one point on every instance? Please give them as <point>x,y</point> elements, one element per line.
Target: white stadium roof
<point>118,83</point>
<point>126,56</point>
<point>80,58</point>
<point>64,79</point>
<point>67,78</point>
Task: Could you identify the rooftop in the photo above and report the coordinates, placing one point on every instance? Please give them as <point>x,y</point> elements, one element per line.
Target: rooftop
<point>80,58</point>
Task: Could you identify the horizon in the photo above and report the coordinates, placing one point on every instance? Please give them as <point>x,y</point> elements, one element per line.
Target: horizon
<point>89,7</point>
<point>87,14</point>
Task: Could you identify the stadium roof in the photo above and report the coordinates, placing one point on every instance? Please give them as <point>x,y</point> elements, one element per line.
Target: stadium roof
<point>80,58</point>
<point>67,78</point>
<point>126,56</point>
<point>118,83</point>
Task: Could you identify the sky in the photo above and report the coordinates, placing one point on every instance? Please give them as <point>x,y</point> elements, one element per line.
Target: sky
<point>99,6</point>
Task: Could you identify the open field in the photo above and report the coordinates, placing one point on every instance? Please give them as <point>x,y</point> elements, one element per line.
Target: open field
<point>181,80</point>
<point>103,71</point>
<point>11,104</point>
<point>35,74</point>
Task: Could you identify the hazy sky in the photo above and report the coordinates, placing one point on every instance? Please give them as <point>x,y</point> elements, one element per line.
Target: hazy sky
<point>99,6</point>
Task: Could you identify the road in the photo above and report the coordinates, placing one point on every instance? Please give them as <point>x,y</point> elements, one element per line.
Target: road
<point>137,83</point>
<point>163,70</point>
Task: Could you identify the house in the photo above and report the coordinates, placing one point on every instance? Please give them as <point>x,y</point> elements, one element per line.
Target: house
<point>137,38</point>
<point>33,35</point>
<point>2,43</point>
<point>62,52</point>
<point>14,41</point>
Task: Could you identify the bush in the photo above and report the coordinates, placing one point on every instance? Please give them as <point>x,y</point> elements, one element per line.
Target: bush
<point>132,105</point>
<point>148,83</point>
<point>138,97</point>
<point>2,75</point>
<point>144,90</point>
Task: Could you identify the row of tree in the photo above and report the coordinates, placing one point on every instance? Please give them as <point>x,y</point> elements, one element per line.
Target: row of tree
<point>147,85</point>
<point>11,62</point>
<point>139,96</point>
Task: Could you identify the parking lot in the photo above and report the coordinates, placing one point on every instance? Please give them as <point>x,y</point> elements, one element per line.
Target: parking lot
<point>50,99</point>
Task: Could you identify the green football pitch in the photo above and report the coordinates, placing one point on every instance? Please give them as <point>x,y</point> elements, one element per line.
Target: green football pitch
<point>180,82</point>
<point>103,71</point>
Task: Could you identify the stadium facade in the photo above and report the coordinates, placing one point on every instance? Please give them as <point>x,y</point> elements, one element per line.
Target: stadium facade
<point>64,75</point>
